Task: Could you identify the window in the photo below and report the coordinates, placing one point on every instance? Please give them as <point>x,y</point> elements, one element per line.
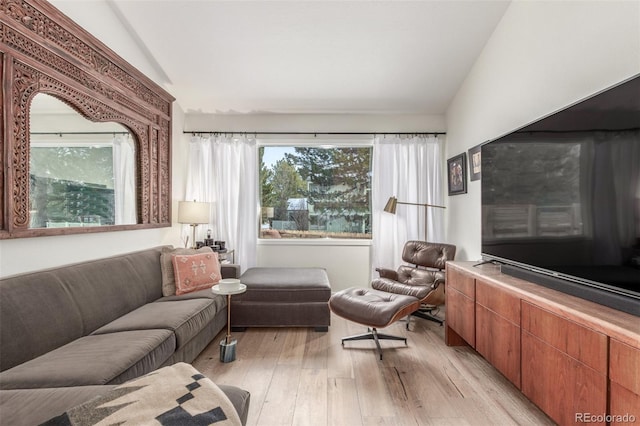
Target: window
<point>80,180</point>
<point>315,191</point>
<point>71,186</point>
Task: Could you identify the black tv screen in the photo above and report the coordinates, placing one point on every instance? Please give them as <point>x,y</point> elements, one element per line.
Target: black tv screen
<point>561,199</point>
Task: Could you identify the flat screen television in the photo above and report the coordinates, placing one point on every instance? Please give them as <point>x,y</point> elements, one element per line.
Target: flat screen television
<point>561,199</point>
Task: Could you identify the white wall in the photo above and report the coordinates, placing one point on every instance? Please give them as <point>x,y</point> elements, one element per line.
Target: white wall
<point>368,123</point>
<point>110,31</point>
<point>347,264</point>
<point>542,57</point>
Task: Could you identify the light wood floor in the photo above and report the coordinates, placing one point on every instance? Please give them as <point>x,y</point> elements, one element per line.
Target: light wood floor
<point>297,376</point>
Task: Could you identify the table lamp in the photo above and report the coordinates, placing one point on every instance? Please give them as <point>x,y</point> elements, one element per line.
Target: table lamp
<point>193,213</point>
<point>268,213</point>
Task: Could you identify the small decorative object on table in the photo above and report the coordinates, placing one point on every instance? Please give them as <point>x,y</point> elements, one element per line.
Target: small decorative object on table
<point>208,241</point>
<point>228,287</point>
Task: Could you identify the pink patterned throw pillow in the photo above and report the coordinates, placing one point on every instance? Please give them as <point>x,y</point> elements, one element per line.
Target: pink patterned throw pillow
<point>195,272</point>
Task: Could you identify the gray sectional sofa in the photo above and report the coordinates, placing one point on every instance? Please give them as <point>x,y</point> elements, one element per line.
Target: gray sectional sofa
<point>71,333</point>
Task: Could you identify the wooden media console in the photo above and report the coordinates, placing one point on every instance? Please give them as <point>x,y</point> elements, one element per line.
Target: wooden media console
<point>575,359</point>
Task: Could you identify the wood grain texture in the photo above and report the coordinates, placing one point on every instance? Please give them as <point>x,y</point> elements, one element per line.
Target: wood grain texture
<point>452,338</point>
<point>619,325</point>
<point>461,281</point>
<point>560,385</point>
<point>461,315</point>
<point>624,365</point>
<point>624,406</point>
<point>498,340</point>
<point>577,341</point>
<point>293,381</point>
<point>499,300</point>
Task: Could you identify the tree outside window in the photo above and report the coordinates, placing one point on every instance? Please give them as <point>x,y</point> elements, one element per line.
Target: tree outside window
<point>71,186</point>
<point>315,192</point>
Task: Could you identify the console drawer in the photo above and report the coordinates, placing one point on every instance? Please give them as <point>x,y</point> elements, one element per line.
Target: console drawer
<point>462,282</point>
<point>461,314</point>
<point>495,298</point>
<point>581,343</point>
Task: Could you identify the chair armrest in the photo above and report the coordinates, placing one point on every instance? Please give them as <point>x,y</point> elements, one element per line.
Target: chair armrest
<point>230,270</point>
<point>388,273</point>
<point>390,286</point>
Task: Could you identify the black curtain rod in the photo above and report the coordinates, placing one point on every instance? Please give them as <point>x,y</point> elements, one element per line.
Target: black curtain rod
<point>79,133</point>
<point>313,133</point>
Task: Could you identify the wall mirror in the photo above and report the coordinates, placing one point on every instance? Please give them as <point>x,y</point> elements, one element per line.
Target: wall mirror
<point>81,173</point>
<point>86,137</point>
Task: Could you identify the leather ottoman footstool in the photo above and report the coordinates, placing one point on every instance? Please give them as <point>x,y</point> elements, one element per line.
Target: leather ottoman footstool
<point>372,308</point>
<point>282,297</point>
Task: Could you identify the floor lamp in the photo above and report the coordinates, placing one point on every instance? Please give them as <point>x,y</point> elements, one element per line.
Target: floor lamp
<point>425,311</point>
<point>390,207</point>
<point>193,213</point>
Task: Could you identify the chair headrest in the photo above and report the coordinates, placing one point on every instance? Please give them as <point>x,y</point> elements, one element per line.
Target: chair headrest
<point>430,255</point>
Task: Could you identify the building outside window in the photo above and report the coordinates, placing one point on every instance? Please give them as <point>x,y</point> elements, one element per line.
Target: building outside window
<point>315,191</point>
<point>71,186</point>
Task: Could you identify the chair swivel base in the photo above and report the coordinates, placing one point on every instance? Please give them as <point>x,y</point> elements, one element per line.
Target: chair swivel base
<point>374,335</point>
<point>426,315</point>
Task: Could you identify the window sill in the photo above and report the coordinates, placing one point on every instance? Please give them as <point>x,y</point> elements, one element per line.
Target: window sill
<point>312,242</point>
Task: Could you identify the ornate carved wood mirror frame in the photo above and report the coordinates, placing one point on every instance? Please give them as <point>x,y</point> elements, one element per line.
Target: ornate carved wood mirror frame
<point>43,51</point>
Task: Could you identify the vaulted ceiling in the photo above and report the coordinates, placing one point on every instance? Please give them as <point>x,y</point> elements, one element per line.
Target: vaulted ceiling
<point>307,56</point>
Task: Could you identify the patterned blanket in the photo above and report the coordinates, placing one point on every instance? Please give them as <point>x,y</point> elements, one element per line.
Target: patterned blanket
<point>176,395</point>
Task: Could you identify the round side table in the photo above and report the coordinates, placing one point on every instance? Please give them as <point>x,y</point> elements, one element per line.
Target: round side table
<point>228,346</point>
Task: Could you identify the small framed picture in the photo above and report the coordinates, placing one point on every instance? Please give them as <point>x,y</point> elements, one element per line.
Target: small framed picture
<point>475,163</point>
<point>457,174</point>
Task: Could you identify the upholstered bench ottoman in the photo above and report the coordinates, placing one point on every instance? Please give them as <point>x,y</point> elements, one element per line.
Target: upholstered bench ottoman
<point>282,297</point>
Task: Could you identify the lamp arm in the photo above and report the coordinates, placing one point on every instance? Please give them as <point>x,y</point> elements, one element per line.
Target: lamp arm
<point>421,204</point>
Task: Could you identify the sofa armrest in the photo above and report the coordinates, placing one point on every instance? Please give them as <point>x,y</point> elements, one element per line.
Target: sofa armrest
<point>230,270</point>
<point>240,399</point>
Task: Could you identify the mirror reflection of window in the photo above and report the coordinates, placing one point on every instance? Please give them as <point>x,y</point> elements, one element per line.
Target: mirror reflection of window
<point>81,173</point>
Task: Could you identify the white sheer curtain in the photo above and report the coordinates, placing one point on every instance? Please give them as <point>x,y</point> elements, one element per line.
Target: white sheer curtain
<point>409,168</point>
<point>124,180</point>
<point>223,170</point>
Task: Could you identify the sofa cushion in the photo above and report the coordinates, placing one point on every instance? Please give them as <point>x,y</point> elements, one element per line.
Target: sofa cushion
<point>200,294</point>
<point>166,266</point>
<point>108,288</point>
<point>31,308</point>
<point>43,310</point>
<point>94,360</point>
<point>35,406</point>
<point>195,272</point>
<point>185,318</point>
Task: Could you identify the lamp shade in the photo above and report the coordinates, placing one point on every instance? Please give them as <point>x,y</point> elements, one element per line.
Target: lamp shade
<point>391,205</point>
<point>193,212</point>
